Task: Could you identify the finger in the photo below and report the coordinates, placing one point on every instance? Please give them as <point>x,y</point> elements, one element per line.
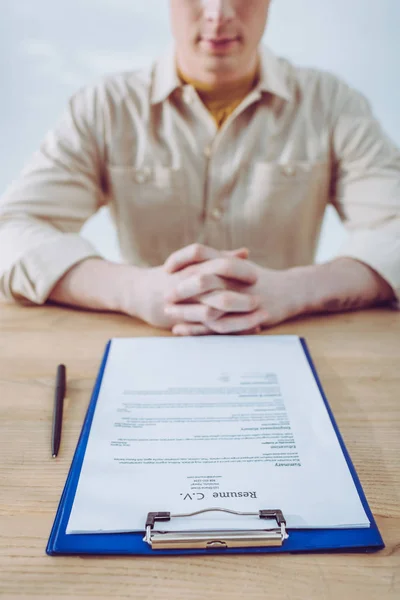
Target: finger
<point>241,253</point>
<point>253,331</point>
<point>235,324</point>
<point>228,301</point>
<point>195,253</point>
<point>185,329</point>
<point>192,313</point>
<point>232,268</point>
<point>194,286</point>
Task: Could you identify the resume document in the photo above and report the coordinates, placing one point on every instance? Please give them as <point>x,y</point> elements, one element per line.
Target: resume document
<point>236,422</point>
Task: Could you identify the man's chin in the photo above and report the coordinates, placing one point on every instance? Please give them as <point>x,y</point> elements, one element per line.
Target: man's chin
<point>213,58</point>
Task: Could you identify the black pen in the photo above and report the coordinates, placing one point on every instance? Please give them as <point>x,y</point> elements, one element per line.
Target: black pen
<point>59,395</point>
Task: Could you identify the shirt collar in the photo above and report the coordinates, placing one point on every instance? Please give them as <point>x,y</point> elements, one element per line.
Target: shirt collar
<point>273,77</point>
<point>165,77</point>
<point>166,80</point>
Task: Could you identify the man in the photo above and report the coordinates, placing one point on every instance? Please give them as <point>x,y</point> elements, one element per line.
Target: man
<point>217,165</point>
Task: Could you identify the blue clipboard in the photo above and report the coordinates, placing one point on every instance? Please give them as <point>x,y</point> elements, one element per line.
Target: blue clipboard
<point>301,540</point>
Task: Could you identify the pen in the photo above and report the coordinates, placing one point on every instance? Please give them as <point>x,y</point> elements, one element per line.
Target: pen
<point>58,409</point>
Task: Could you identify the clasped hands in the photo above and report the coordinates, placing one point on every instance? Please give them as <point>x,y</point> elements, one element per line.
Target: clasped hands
<point>200,290</point>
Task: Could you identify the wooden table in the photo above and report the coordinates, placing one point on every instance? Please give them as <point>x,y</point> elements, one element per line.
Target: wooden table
<point>358,359</point>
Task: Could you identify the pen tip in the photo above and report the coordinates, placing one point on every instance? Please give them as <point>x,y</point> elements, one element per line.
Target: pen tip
<point>54,455</point>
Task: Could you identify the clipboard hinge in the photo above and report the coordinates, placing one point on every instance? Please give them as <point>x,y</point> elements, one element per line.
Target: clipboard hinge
<point>215,539</point>
<point>152,517</point>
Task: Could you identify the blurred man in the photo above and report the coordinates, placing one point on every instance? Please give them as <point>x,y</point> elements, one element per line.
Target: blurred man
<point>217,165</point>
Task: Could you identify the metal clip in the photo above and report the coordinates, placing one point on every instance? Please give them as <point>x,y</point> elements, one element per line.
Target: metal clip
<point>163,540</point>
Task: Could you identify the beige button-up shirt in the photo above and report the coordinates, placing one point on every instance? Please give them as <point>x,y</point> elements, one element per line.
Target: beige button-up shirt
<point>144,144</point>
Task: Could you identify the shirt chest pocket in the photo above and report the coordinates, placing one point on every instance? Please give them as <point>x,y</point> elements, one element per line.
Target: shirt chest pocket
<point>282,208</point>
<point>150,211</point>
<point>283,186</point>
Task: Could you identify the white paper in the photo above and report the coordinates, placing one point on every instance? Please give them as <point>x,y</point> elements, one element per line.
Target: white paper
<point>183,424</point>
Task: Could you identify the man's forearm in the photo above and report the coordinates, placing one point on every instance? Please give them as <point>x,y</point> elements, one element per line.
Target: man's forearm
<point>96,284</point>
<point>340,285</point>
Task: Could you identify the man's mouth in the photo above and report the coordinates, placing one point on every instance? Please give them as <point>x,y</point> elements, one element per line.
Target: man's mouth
<point>220,40</point>
<point>218,44</point>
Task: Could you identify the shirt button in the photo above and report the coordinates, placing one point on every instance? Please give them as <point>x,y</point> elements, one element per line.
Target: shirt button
<point>289,170</point>
<point>207,151</point>
<point>216,214</point>
<point>143,175</point>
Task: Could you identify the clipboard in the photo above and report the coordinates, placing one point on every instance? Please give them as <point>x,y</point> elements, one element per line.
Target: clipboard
<point>154,541</point>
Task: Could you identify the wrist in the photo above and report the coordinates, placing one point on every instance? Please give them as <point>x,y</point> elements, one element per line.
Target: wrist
<point>341,284</point>
<point>299,289</point>
<point>129,287</point>
<point>98,284</point>
<point>315,285</point>
<point>106,284</point>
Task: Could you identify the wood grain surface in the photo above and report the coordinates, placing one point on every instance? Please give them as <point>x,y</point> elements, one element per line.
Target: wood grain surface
<point>357,356</point>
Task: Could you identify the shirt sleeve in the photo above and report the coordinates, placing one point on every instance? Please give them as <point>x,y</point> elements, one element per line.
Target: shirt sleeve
<point>366,186</point>
<point>42,212</point>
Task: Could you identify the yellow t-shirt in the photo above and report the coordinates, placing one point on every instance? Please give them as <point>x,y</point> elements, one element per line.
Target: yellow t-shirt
<point>222,100</point>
